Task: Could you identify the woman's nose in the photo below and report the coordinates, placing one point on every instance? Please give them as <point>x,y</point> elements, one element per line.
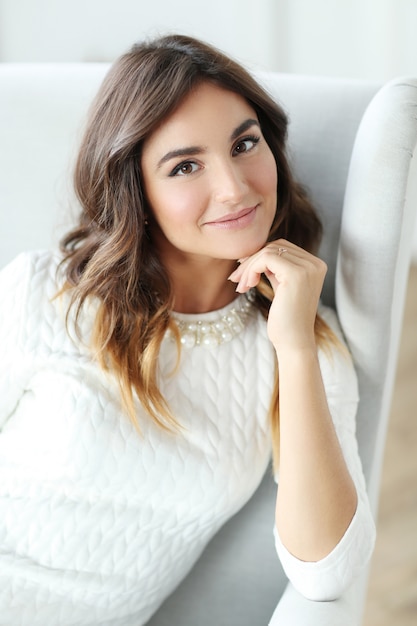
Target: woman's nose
<point>230,184</point>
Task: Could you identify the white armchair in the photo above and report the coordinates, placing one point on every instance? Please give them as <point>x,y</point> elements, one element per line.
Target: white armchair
<point>351,144</point>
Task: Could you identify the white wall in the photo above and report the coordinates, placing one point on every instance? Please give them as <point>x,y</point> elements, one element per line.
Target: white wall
<point>372,39</point>
<point>100,30</point>
<point>369,39</point>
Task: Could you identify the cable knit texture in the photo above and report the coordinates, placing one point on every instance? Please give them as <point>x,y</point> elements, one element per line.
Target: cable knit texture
<point>98,524</point>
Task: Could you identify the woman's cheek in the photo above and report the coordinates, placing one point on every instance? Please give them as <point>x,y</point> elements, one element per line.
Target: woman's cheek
<point>181,207</point>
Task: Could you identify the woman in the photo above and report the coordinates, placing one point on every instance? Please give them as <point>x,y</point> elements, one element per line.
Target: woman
<point>151,366</point>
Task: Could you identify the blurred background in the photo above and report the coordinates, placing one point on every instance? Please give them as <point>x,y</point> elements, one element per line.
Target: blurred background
<point>358,39</point>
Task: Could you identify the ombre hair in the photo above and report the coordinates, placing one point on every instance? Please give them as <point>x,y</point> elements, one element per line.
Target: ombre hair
<point>109,254</point>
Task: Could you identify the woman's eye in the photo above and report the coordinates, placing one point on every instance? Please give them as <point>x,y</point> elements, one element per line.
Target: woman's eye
<point>187,167</point>
<point>244,145</point>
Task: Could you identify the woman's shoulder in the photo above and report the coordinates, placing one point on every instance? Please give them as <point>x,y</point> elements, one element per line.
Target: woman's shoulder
<point>31,264</point>
<point>29,280</point>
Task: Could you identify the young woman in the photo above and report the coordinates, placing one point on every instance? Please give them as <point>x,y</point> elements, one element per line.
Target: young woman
<point>150,368</point>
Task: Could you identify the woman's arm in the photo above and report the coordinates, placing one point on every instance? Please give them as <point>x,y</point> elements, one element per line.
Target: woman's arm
<point>317,497</point>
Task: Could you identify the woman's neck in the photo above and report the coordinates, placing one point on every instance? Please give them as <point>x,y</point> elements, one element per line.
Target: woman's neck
<point>202,286</point>
<point>200,300</point>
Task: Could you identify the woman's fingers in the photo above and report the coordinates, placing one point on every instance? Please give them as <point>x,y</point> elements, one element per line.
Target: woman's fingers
<point>296,277</point>
<point>276,260</point>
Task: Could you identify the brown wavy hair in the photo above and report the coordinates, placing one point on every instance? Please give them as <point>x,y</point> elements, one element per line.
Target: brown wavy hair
<point>109,254</point>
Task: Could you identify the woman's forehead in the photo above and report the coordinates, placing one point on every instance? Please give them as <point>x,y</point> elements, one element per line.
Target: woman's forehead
<point>207,108</point>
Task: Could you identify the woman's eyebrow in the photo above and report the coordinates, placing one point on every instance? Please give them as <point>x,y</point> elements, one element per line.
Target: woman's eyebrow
<point>180,152</point>
<point>244,126</point>
<point>194,150</point>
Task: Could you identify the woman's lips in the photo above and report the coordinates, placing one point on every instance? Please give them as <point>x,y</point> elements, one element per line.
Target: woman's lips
<point>239,219</point>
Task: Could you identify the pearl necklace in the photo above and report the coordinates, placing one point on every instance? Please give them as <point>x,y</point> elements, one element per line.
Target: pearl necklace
<point>214,330</point>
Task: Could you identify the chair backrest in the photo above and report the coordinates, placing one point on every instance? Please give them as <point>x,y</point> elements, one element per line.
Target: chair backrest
<point>42,110</point>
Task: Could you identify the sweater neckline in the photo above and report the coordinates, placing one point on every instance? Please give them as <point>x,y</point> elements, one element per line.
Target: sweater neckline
<point>215,327</point>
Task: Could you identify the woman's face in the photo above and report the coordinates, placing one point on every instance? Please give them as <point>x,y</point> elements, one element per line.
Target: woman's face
<point>210,178</point>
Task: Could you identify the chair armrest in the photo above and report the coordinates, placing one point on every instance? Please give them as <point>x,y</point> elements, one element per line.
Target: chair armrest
<point>295,610</point>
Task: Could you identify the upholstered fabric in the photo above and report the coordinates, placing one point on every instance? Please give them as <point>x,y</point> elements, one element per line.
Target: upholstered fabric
<point>351,145</point>
<point>42,112</point>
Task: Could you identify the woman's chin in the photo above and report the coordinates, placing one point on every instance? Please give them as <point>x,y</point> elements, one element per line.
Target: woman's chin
<point>248,250</point>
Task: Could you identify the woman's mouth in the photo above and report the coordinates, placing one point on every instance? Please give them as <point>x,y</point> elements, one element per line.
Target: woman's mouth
<point>235,220</point>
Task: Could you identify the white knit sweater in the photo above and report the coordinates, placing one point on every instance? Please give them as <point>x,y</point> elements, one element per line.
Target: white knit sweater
<point>98,524</point>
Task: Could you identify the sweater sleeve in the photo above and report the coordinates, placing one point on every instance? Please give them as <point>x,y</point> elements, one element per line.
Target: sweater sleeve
<point>328,578</point>
<point>15,280</point>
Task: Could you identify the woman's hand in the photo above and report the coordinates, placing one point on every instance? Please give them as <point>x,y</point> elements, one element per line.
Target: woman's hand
<point>296,277</point>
